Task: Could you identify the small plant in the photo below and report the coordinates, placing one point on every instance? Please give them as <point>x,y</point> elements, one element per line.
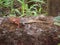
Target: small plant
<point>25,9</point>
<point>33,8</point>
<point>4,4</point>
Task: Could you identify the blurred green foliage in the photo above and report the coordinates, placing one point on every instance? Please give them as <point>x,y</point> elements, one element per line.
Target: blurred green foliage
<point>59,44</point>
<point>6,3</point>
<point>57,20</point>
<point>26,9</point>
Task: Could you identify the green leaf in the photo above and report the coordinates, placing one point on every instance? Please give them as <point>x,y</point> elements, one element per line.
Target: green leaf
<point>16,10</point>
<point>56,23</point>
<point>57,19</point>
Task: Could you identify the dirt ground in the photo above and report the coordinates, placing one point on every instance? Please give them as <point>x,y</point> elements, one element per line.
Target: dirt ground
<point>33,31</point>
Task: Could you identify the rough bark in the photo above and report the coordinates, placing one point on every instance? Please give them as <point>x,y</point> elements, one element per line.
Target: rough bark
<point>53,7</point>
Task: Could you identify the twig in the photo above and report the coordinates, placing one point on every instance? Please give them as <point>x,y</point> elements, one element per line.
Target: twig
<point>36,21</point>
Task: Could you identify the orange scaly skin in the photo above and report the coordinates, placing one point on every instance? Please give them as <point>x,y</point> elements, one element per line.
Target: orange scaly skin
<point>15,20</point>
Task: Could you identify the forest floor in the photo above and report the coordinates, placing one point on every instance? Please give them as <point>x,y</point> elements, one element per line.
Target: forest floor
<point>38,30</point>
<point>33,30</point>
